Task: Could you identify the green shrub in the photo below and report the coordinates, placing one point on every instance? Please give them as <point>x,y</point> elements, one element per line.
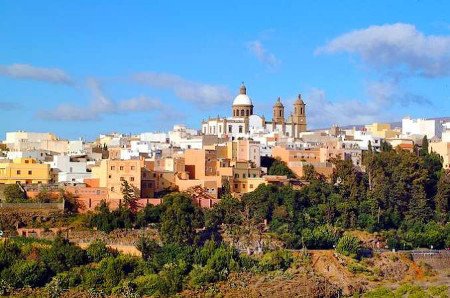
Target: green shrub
<point>348,245</point>
<point>276,260</point>
<point>98,250</point>
<point>200,276</point>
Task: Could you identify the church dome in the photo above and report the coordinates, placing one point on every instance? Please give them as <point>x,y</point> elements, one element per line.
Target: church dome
<point>242,99</point>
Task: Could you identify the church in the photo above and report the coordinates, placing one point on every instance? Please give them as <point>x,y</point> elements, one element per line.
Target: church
<point>243,123</point>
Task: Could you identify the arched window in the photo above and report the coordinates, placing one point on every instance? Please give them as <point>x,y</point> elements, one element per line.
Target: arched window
<point>247,113</point>
<point>295,110</point>
<point>301,110</point>
<point>280,113</point>
<point>234,112</point>
<point>242,112</point>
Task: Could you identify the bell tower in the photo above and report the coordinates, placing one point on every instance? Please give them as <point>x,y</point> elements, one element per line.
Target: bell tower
<point>299,117</point>
<point>278,112</point>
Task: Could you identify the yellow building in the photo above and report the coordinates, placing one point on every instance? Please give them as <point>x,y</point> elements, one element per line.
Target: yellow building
<point>382,130</point>
<point>24,170</point>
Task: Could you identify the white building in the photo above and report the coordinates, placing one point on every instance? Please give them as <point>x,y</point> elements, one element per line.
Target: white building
<point>423,127</point>
<point>68,171</point>
<point>362,139</point>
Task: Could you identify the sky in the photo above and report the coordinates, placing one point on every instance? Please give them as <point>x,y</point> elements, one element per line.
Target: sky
<point>81,68</point>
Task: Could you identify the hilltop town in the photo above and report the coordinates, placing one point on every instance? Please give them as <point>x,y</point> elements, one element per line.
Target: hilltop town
<point>322,212</point>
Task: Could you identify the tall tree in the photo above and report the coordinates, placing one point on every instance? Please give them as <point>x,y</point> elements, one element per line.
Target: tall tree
<point>177,222</point>
<point>442,198</point>
<point>130,197</point>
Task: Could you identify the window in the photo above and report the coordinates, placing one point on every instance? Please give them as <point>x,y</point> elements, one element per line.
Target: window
<point>243,185</point>
<point>121,168</point>
<point>98,192</point>
<point>251,185</point>
<point>254,175</point>
<point>236,175</point>
<point>240,128</point>
<point>230,128</point>
<point>132,168</point>
<point>30,172</point>
<point>144,175</point>
<point>122,179</point>
<point>131,178</point>
<point>113,168</point>
<point>220,129</point>
<point>247,113</point>
<point>112,188</point>
<point>109,176</point>
<point>27,161</point>
<point>235,186</point>
<point>280,113</point>
<point>18,172</point>
<point>243,175</point>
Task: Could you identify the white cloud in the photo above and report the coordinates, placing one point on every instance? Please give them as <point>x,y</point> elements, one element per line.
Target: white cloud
<point>382,98</point>
<point>99,105</point>
<point>26,71</point>
<point>204,95</point>
<point>256,48</point>
<point>396,47</point>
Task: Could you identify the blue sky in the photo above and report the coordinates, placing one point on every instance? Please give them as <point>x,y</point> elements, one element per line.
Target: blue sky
<point>80,68</point>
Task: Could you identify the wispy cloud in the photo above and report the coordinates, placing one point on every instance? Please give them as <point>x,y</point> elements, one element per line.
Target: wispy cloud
<point>382,98</point>
<point>9,106</point>
<point>204,95</point>
<point>256,48</point>
<point>99,105</point>
<point>396,47</point>
<point>29,72</point>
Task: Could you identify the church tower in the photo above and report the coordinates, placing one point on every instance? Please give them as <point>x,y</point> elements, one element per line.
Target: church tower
<point>278,112</point>
<point>299,117</point>
<point>242,104</point>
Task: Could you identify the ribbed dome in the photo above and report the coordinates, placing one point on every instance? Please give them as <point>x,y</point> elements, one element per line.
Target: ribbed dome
<point>242,99</point>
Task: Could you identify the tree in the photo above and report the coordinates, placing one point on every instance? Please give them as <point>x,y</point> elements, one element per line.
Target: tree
<point>280,168</point>
<point>442,198</point>
<point>177,222</point>
<point>424,148</point>
<point>130,197</point>
<point>13,193</point>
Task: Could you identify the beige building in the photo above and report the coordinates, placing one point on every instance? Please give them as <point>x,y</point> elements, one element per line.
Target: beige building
<point>443,149</point>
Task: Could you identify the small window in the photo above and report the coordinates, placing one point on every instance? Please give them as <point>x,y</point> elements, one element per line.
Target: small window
<point>131,178</point>
<point>112,188</point>
<point>230,128</point>
<point>30,172</point>
<point>235,186</point>
<point>18,172</point>
<point>113,168</point>
<point>243,175</point>
<point>122,179</point>
<point>240,128</point>
<point>121,168</point>
<point>251,185</point>
<point>133,167</point>
<point>109,176</point>
<point>243,185</point>
<point>27,161</point>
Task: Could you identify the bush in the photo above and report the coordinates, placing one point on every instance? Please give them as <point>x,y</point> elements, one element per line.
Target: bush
<point>276,260</point>
<point>13,194</point>
<point>200,276</point>
<point>98,250</point>
<point>29,274</point>
<point>348,245</point>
